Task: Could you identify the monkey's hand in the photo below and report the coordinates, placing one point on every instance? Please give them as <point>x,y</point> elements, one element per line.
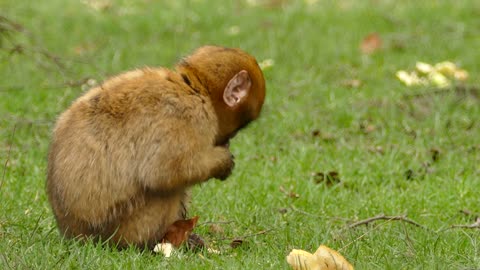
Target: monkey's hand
<point>225,167</point>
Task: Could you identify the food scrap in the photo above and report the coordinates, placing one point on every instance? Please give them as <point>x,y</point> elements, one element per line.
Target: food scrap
<point>323,259</point>
<point>440,75</point>
<point>165,248</point>
<point>177,234</point>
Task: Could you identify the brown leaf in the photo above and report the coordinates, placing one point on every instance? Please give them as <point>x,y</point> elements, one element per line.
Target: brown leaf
<point>435,152</point>
<point>330,178</point>
<point>236,243</point>
<point>195,242</point>
<point>179,231</point>
<point>409,174</point>
<point>371,43</point>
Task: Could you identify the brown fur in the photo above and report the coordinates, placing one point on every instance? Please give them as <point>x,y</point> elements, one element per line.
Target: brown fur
<point>124,154</point>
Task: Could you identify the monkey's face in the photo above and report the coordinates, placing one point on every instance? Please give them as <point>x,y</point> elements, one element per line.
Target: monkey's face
<point>231,121</point>
<point>239,103</point>
<point>234,82</point>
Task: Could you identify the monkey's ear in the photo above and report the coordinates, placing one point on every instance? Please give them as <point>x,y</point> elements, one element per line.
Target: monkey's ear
<point>237,88</point>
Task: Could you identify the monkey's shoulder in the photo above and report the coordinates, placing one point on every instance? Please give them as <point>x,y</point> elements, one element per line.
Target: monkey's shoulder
<point>155,91</point>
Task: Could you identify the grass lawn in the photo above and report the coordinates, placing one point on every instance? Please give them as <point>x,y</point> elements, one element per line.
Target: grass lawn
<point>410,152</point>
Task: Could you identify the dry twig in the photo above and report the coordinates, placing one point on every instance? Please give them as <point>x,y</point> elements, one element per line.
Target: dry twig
<point>248,235</point>
<point>214,222</point>
<point>475,225</point>
<point>388,218</point>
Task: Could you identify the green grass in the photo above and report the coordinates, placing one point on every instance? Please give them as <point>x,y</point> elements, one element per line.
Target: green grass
<point>316,50</point>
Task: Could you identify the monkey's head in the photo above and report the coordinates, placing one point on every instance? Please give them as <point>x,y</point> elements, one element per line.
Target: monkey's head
<point>234,82</point>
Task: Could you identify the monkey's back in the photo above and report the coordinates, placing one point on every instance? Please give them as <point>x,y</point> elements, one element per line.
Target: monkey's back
<point>116,136</point>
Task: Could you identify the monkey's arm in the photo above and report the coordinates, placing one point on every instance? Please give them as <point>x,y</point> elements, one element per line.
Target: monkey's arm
<point>185,169</point>
<point>211,162</point>
<point>178,149</point>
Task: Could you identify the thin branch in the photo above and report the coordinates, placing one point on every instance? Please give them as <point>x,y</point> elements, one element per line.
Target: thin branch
<point>213,222</point>
<point>303,212</point>
<point>475,225</point>
<point>388,218</point>
<point>247,235</point>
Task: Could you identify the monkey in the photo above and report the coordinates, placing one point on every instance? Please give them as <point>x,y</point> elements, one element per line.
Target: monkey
<point>124,155</point>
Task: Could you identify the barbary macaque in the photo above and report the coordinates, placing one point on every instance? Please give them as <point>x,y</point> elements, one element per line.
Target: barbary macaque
<point>124,155</point>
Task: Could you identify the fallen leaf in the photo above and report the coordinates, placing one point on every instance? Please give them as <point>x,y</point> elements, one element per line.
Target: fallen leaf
<point>236,243</point>
<point>330,178</point>
<point>409,174</point>
<point>333,176</point>
<point>371,43</point>
<point>323,259</point>
<point>195,242</point>
<point>179,231</point>
<point>435,152</point>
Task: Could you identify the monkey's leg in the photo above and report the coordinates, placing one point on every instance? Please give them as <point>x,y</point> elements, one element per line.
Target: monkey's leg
<point>147,225</point>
